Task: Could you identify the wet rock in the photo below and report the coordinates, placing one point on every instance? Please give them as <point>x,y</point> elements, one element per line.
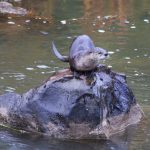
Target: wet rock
<point>8,8</point>
<point>83,105</point>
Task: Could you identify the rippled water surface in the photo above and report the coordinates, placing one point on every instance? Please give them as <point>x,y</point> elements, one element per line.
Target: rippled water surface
<point>121,27</point>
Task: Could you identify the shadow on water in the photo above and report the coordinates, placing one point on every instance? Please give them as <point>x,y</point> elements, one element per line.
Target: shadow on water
<point>122,27</point>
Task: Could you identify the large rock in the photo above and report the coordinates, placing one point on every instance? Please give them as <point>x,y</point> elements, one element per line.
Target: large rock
<point>91,105</point>
<point>8,8</point>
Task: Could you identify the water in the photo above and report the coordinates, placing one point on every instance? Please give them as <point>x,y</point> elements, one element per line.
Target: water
<point>121,27</point>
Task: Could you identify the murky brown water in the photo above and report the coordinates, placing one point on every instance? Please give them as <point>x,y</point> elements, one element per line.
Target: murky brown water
<point>121,27</point>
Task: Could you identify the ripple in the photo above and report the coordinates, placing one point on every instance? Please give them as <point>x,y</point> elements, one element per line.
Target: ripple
<point>9,17</point>
<point>74,19</point>
<point>29,68</point>
<point>146,20</point>
<point>10,89</point>
<point>145,55</point>
<point>11,22</point>
<point>127,58</point>
<point>136,74</point>
<point>44,21</point>
<point>101,31</point>
<point>44,32</point>
<point>63,21</point>
<point>42,66</point>
<point>69,37</point>
<point>133,27</point>
<point>117,50</point>
<point>27,21</point>
<point>110,16</point>
<point>18,76</point>
<point>109,66</point>
<point>126,21</point>
<point>111,52</point>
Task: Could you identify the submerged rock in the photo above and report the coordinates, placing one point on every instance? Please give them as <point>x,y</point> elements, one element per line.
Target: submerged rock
<point>8,8</point>
<point>92,105</point>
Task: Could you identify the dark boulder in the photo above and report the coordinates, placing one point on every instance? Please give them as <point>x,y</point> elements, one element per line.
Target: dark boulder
<point>87,105</point>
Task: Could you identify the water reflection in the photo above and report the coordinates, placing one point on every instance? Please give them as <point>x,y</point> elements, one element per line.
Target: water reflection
<point>12,140</point>
<point>135,137</point>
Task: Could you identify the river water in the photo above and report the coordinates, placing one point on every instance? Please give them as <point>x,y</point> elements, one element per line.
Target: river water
<point>121,27</point>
